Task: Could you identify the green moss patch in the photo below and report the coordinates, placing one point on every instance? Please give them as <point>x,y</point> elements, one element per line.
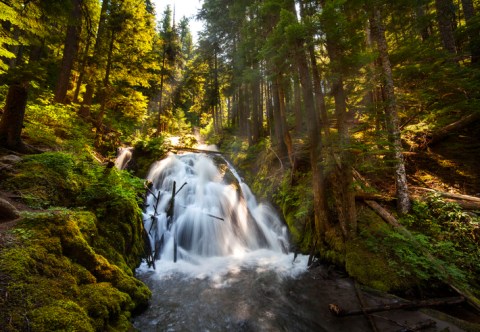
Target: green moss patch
<point>53,277</point>
<point>71,267</point>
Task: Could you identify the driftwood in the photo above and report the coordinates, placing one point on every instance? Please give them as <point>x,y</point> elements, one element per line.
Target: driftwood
<point>362,303</point>
<point>338,311</point>
<point>442,133</point>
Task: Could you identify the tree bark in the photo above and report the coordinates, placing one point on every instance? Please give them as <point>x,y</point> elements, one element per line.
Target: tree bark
<point>11,123</point>
<point>473,31</point>
<point>343,174</point>
<point>393,127</point>
<point>446,22</point>
<point>70,51</point>
<point>315,140</point>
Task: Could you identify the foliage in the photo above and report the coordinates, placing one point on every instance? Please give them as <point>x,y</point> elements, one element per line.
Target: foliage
<point>56,126</point>
<point>451,234</point>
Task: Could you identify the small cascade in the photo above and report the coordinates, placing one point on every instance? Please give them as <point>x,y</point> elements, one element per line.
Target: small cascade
<point>198,207</point>
<point>124,155</point>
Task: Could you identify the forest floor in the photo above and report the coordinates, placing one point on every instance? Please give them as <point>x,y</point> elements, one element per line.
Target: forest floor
<point>450,165</point>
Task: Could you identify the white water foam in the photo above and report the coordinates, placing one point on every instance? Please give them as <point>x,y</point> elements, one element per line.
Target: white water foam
<point>218,228</point>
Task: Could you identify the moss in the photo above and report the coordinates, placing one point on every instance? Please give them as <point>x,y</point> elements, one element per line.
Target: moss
<point>51,263</point>
<point>47,179</point>
<point>372,269</point>
<point>145,153</point>
<point>369,260</point>
<point>103,303</point>
<point>60,316</point>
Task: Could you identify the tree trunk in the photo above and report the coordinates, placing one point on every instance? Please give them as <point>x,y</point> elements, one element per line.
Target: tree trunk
<point>277,121</point>
<point>70,51</point>
<point>422,27</point>
<point>285,134</point>
<point>95,62</point>
<point>106,81</point>
<point>11,123</point>
<point>393,127</point>
<point>446,23</point>
<point>473,31</point>
<point>82,73</point>
<point>160,126</point>
<point>297,106</point>
<point>319,95</point>
<point>315,140</point>
<point>343,175</point>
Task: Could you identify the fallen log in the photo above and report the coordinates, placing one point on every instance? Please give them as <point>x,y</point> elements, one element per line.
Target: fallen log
<point>443,133</point>
<point>383,213</point>
<point>338,311</point>
<point>360,195</point>
<point>449,195</point>
<point>466,205</point>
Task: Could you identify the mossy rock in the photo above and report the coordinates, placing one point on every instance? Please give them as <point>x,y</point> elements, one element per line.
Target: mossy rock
<point>370,262</point>
<point>60,316</point>
<point>372,269</point>
<point>54,277</point>
<point>47,179</point>
<point>104,303</point>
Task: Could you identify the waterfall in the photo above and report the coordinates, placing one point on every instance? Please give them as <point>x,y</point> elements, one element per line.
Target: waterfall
<point>198,208</point>
<point>124,155</point>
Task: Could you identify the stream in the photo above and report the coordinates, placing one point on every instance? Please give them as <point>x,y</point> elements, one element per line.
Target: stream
<point>222,261</point>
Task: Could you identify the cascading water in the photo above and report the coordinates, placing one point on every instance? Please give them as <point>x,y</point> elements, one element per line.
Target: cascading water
<point>124,156</point>
<point>232,272</point>
<point>198,210</point>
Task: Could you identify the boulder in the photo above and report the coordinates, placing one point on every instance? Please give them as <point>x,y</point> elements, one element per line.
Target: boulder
<point>7,211</point>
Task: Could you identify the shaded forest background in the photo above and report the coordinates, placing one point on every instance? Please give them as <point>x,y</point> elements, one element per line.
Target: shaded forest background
<point>332,108</point>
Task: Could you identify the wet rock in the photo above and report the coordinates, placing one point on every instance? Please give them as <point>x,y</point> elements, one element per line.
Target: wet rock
<point>7,211</point>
